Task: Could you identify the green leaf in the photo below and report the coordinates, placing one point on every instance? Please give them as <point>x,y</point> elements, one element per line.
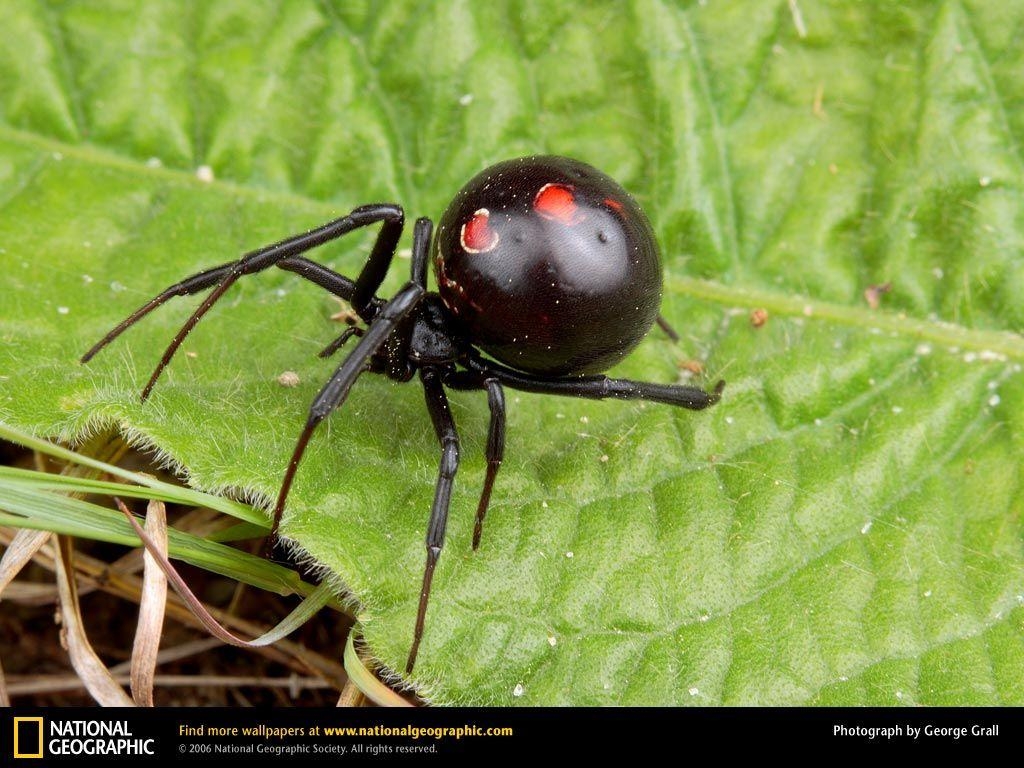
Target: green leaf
<point>844,528</point>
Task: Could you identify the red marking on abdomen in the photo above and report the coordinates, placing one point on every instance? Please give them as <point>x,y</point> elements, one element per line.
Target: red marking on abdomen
<point>614,204</point>
<point>476,235</point>
<point>557,202</point>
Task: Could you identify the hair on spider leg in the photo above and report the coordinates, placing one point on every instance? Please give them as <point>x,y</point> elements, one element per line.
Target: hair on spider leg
<point>490,325</point>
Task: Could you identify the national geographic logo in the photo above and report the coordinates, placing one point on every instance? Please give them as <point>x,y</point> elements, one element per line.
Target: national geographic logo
<point>34,738</point>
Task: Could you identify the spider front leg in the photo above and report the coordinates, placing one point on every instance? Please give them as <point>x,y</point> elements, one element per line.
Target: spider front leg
<point>383,324</point>
<point>282,253</point>
<point>444,427</point>
<point>336,390</point>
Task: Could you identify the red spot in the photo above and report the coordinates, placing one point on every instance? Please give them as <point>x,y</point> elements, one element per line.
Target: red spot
<point>557,202</point>
<point>615,205</point>
<point>477,236</point>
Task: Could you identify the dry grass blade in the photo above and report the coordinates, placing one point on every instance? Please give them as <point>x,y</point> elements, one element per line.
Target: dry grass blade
<point>5,696</point>
<point>151,609</point>
<point>33,594</point>
<point>95,676</point>
<point>351,696</point>
<point>19,553</point>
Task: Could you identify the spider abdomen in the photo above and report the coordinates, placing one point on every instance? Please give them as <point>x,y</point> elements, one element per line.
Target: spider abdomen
<point>549,266</point>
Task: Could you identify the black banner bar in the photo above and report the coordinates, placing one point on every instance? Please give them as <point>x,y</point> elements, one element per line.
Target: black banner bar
<point>83,736</point>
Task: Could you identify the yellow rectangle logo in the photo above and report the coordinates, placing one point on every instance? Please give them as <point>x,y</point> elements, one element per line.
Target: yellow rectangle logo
<point>35,744</point>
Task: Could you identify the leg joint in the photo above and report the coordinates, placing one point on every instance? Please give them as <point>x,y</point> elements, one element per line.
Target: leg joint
<point>367,214</point>
<point>449,457</point>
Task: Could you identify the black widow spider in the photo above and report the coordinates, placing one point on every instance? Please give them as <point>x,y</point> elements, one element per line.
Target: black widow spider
<point>544,263</point>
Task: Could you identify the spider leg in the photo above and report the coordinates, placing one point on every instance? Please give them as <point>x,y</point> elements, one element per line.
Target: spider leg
<point>399,366</point>
<point>599,387</point>
<point>668,329</point>
<point>376,269</point>
<point>494,453</point>
<point>336,389</point>
<point>421,248</point>
<point>339,342</point>
<point>224,276</point>
<point>337,284</point>
<point>197,282</point>
<point>495,450</point>
<point>444,426</point>
<point>326,278</point>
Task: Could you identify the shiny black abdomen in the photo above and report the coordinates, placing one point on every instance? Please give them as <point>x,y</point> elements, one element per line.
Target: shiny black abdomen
<point>549,266</point>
